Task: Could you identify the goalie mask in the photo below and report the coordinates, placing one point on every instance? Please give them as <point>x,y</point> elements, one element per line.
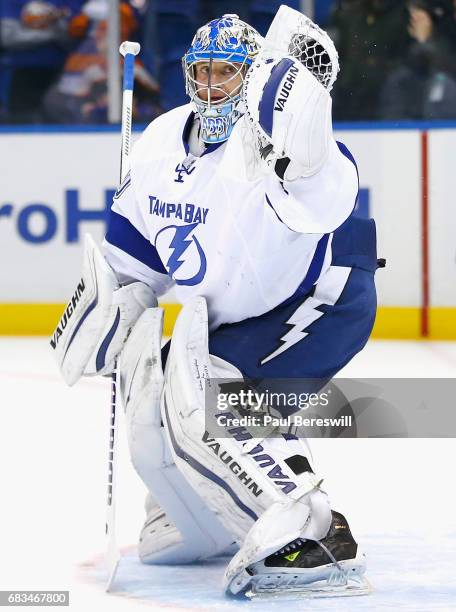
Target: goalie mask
<point>214,68</point>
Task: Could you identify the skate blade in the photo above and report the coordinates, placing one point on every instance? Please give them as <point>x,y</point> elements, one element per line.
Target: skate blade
<point>355,586</point>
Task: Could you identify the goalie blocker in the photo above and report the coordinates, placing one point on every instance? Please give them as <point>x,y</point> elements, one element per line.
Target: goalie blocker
<point>97,319</point>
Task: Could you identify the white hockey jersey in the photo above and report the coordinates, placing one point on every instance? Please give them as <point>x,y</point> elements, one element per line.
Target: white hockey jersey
<point>200,224</point>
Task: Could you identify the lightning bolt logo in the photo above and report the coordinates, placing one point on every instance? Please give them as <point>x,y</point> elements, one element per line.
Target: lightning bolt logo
<point>327,291</point>
<point>299,320</point>
<point>179,244</point>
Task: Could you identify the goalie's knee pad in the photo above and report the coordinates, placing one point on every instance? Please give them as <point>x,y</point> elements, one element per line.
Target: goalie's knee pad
<point>179,527</point>
<point>264,491</point>
<point>98,318</point>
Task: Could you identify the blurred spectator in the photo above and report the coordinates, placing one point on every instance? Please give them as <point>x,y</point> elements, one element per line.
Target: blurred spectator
<point>35,38</point>
<point>424,87</point>
<point>212,9</point>
<point>397,57</point>
<point>170,26</point>
<point>258,13</point>
<point>80,95</point>
<point>371,38</point>
<point>262,12</point>
<point>322,12</point>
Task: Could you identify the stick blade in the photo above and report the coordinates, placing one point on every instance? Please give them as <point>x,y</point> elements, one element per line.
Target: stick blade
<point>112,560</point>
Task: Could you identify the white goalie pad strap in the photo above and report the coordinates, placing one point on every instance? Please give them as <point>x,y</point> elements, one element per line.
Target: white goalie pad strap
<point>97,319</point>
<point>237,486</point>
<point>195,533</point>
<point>291,111</point>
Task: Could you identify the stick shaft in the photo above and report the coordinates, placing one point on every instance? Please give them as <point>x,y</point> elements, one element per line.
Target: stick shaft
<point>128,50</point>
<point>127,112</point>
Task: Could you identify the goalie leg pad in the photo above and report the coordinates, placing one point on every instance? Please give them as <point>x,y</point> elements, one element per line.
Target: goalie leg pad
<point>179,527</point>
<point>239,479</point>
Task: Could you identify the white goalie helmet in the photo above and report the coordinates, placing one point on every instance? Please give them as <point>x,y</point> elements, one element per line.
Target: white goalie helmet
<point>217,95</point>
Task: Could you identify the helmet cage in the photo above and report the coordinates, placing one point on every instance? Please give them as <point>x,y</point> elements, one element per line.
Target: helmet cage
<point>195,87</point>
<point>231,41</point>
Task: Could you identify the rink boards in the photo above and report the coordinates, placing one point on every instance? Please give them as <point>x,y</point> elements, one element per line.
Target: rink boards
<point>58,185</point>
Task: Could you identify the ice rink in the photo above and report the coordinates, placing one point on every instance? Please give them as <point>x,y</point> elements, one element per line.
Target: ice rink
<point>398,494</point>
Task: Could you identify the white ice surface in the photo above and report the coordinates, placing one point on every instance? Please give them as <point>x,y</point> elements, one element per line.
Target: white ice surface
<point>399,496</point>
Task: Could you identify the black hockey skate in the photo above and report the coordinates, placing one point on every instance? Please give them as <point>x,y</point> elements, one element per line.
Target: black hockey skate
<point>332,567</point>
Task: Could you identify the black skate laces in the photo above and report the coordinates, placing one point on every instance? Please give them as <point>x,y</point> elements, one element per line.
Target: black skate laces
<point>291,547</point>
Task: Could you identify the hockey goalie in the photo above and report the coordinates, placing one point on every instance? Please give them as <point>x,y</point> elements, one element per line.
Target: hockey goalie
<point>242,201</point>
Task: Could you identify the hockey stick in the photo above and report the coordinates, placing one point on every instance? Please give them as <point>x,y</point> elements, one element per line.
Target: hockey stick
<point>129,50</point>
